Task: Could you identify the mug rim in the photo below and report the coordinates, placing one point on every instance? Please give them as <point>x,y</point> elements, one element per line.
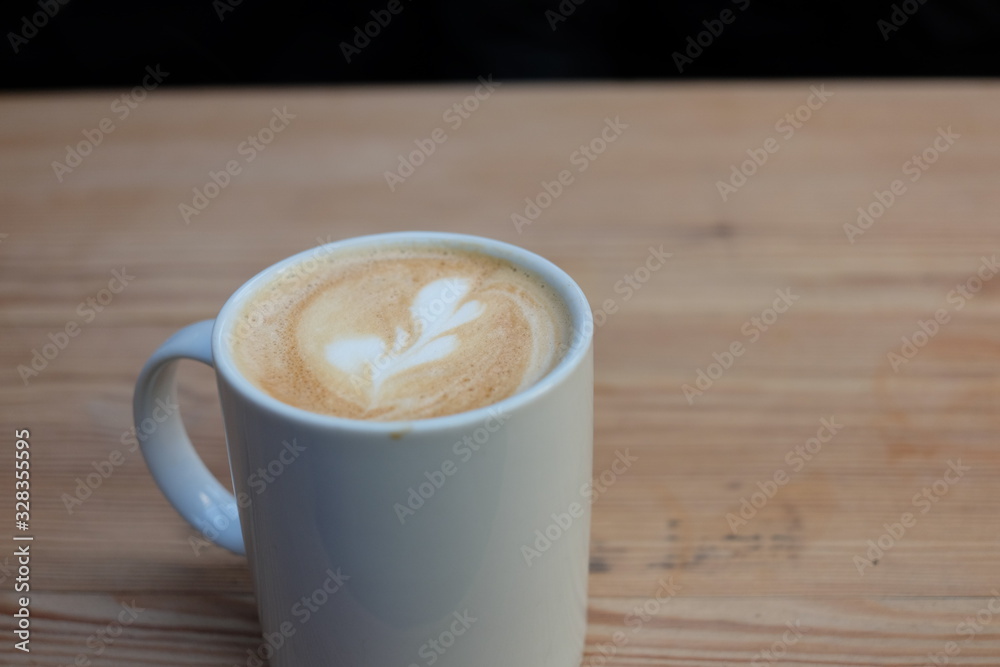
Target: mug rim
<point>581,334</point>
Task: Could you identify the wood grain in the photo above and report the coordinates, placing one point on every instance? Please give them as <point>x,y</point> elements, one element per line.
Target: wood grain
<point>322,178</point>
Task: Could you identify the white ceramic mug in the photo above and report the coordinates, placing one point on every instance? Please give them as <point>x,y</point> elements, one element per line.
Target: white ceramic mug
<point>456,541</point>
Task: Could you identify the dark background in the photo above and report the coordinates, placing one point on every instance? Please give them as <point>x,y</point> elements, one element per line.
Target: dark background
<point>210,42</point>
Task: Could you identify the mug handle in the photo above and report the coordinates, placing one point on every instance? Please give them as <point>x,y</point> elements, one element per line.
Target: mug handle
<point>175,465</point>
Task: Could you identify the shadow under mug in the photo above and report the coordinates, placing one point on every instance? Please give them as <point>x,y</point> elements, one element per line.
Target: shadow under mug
<point>456,541</point>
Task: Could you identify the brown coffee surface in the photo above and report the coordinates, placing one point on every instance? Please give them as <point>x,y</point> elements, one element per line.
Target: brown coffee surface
<point>399,333</point>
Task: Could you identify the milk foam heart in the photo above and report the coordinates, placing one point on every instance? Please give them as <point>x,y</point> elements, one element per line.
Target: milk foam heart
<point>393,333</point>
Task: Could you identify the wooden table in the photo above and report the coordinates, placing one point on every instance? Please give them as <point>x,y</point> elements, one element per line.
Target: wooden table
<point>813,374</point>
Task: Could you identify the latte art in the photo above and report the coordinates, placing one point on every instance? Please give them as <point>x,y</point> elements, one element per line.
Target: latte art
<point>400,333</point>
<point>358,355</point>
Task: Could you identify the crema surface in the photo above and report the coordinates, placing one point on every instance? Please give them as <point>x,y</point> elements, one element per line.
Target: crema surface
<point>399,333</point>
